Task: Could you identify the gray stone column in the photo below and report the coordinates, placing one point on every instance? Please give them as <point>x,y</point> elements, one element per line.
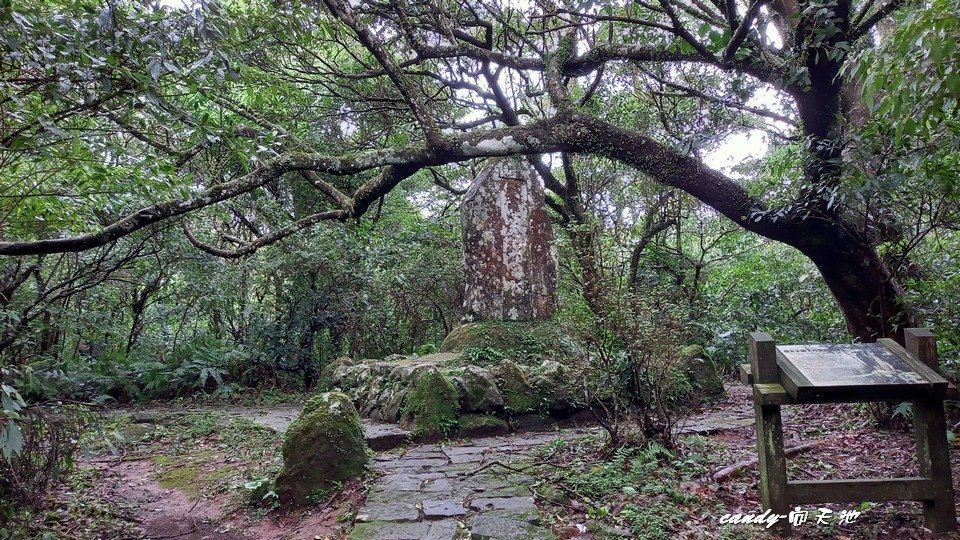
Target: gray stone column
<point>509,261</point>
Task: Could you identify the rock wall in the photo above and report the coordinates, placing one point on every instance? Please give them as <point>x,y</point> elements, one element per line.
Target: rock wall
<point>381,388</point>
<point>509,261</point>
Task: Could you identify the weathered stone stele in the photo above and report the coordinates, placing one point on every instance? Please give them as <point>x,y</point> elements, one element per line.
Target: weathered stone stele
<point>509,261</point>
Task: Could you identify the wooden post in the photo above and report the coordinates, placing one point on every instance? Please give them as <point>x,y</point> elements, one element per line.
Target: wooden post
<point>921,343</point>
<point>933,452</point>
<point>772,459</point>
<point>763,358</point>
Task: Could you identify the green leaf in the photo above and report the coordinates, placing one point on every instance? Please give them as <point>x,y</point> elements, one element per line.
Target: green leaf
<point>11,440</point>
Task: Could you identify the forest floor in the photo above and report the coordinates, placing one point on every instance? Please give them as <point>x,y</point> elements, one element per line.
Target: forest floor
<point>192,475</point>
<point>640,494</point>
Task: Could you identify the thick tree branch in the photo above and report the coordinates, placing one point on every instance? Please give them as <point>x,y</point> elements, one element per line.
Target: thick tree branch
<point>863,28</point>
<point>567,133</point>
<point>248,248</point>
<point>338,197</point>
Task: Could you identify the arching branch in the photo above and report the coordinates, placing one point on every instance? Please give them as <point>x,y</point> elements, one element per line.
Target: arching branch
<point>569,133</point>
<point>249,247</point>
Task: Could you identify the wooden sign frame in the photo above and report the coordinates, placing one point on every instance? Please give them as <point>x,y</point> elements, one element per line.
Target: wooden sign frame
<point>906,378</point>
<point>776,381</point>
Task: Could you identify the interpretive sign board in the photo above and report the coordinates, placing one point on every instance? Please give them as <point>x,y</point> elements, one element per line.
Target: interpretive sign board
<point>861,372</point>
<point>882,371</point>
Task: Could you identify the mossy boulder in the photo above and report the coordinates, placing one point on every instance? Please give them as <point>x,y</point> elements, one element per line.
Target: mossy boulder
<point>521,338</point>
<point>702,375</point>
<point>432,405</point>
<point>555,389</point>
<point>323,447</point>
<point>329,371</point>
<point>519,396</point>
<point>479,392</point>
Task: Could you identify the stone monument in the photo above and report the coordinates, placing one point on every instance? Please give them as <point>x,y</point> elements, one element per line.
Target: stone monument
<point>509,261</point>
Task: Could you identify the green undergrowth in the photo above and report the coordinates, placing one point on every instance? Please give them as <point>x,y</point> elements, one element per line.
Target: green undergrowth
<point>73,511</point>
<point>226,453</point>
<point>204,453</point>
<point>249,397</point>
<point>642,491</point>
<point>515,338</point>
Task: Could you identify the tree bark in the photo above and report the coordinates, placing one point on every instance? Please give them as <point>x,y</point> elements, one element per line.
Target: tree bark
<point>868,295</point>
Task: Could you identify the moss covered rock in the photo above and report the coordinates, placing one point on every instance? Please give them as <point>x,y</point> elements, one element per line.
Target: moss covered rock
<point>329,371</point>
<point>519,396</point>
<point>479,392</point>
<point>518,337</point>
<point>323,447</point>
<point>432,405</point>
<point>555,388</point>
<point>702,375</point>
<point>482,425</point>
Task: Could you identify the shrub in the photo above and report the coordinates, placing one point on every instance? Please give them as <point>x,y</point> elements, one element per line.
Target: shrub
<point>48,439</point>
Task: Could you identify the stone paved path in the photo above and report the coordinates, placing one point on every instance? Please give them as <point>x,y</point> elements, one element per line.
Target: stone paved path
<point>455,491</point>
<point>437,492</point>
<point>379,436</point>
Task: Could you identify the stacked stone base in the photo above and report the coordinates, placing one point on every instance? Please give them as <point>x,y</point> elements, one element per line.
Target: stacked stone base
<point>443,393</point>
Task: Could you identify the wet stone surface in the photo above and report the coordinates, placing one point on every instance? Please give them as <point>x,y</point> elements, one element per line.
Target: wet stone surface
<point>456,491</point>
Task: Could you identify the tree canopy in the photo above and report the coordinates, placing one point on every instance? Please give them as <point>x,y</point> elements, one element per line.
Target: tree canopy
<point>250,121</point>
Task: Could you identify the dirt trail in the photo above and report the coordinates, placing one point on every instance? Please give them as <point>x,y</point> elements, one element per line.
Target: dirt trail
<point>422,491</point>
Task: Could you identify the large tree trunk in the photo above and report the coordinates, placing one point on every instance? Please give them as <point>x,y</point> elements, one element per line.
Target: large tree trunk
<point>584,246</point>
<point>868,295</point>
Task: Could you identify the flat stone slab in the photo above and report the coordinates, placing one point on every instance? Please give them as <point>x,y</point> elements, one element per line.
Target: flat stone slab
<point>402,482</point>
<point>447,508</point>
<point>713,422</point>
<point>384,436</point>
<point>437,485</point>
<point>503,503</point>
<point>437,530</point>
<point>393,512</point>
<point>490,527</point>
<point>508,490</point>
<point>423,463</point>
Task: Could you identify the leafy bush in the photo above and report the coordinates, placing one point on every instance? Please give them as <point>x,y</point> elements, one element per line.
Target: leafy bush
<point>194,368</point>
<point>484,356</point>
<point>38,451</point>
<point>11,434</point>
<point>770,288</point>
<point>261,492</point>
<point>635,370</point>
<point>638,487</point>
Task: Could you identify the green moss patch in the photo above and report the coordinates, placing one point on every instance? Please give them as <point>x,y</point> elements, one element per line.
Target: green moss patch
<point>519,396</point>
<point>518,338</point>
<point>180,474</point>
<point>432,407</point>
<point>323,448</point>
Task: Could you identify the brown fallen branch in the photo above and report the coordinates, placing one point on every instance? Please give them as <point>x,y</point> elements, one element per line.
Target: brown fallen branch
<point>735,469</point>
<point>496,463</point>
